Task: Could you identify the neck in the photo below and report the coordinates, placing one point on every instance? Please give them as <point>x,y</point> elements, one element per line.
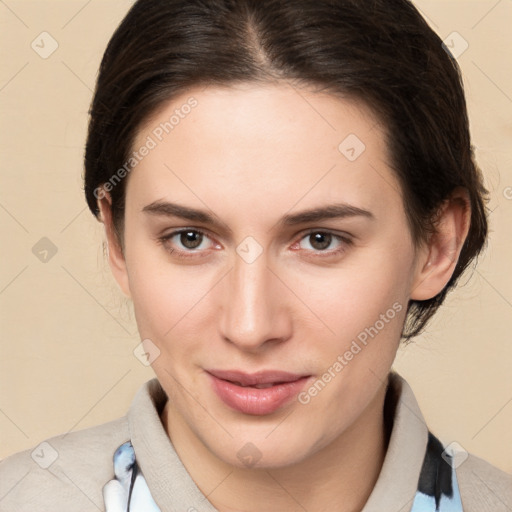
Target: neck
<point>340,477</point>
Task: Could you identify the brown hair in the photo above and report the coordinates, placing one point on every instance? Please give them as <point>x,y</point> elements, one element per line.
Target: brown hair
<point>380,51</point>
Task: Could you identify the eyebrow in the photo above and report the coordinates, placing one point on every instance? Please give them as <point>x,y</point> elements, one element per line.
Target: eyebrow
<point>330,211</point>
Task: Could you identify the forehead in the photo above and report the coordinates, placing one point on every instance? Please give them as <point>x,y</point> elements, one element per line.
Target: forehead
<point>264,145</point>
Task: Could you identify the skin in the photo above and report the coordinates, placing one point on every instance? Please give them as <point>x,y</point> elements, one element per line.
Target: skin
<point>249,155</point>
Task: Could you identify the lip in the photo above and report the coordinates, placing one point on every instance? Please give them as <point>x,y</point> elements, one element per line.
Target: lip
<point>236,389</point>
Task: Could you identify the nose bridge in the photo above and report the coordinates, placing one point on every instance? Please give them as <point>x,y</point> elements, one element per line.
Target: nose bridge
<point>251,309</point>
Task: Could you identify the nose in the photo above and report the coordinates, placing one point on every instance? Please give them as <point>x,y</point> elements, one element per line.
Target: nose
<point>255,313</point>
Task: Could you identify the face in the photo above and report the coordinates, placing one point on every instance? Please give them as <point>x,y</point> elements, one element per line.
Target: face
<point>266,244</point>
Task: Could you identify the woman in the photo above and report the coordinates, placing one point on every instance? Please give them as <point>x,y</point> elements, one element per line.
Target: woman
<point>288,191</point>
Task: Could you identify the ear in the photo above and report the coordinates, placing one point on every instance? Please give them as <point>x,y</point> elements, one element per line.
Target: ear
<point>437,258</point>
<point>116,257</point>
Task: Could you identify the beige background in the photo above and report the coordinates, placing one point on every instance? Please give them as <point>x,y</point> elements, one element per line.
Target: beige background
<point>67,335</point>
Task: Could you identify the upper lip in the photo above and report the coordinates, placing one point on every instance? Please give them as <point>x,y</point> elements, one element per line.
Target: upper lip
<point>252,379</point>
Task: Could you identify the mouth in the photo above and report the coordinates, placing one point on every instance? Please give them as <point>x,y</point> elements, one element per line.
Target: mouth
<point>258,393</point>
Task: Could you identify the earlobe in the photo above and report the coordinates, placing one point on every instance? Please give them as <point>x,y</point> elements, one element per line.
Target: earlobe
<point>115,253</point>
<point>438,258</point>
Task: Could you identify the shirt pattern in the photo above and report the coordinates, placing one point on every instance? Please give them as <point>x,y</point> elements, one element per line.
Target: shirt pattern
<point>437,491</point>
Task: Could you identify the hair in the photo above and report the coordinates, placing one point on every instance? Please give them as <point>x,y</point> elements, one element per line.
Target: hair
<point>379,51</point>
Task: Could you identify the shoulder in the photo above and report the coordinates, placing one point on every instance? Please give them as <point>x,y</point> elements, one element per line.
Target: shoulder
<point>483,487</point>
<point>65,472</point>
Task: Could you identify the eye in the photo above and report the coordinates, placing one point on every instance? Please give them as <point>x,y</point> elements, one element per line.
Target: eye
<point>320,241</point>
<point>186,243</point>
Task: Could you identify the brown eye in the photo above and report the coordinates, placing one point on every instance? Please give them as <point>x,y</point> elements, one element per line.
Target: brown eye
<point>191,239</point>
<point>320,241</point>
<point>324,243</point>
<point>187,243</point>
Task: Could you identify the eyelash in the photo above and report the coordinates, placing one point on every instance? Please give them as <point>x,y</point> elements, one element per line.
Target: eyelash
<point>346,241</point>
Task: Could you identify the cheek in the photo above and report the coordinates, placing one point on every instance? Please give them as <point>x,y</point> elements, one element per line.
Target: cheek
<point>353,296</point>
<point>164,301</point>
<point>161,292</point>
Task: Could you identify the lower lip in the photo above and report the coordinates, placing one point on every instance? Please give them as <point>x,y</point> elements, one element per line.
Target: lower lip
<point>249,400</point>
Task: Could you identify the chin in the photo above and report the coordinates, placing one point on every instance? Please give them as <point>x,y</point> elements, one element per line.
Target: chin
<point>264,451</point>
